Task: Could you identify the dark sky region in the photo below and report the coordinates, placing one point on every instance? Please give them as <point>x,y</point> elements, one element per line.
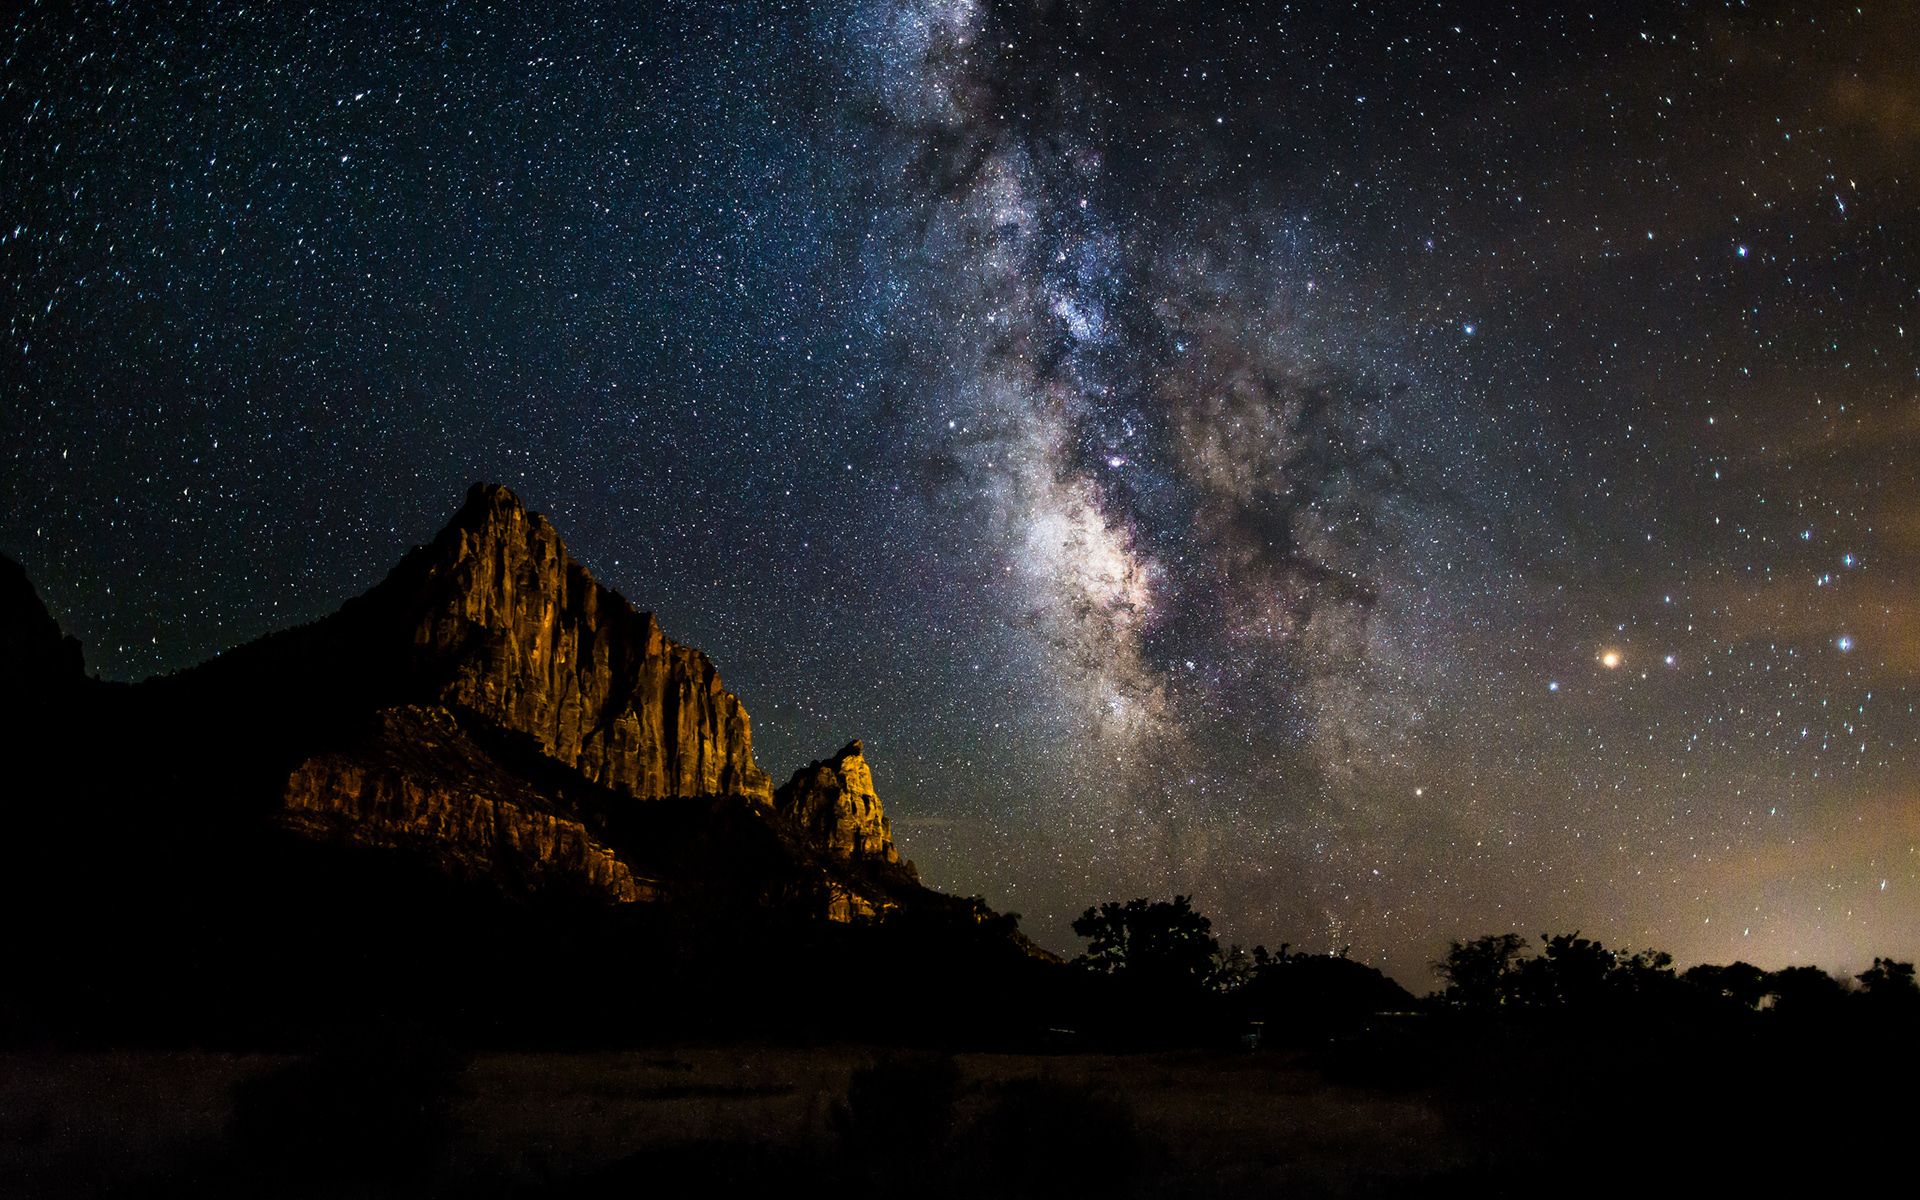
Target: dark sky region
<point>1393,472</point>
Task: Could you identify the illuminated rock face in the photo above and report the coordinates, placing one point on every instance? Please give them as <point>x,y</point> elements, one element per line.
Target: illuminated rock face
<point>490,659</point>
<point>492,710</point>
<point>419,783</point>
<point>539,647</point>
<point>834,805</point>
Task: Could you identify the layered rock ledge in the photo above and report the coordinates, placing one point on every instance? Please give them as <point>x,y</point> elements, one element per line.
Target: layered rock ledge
<point>418,782</point>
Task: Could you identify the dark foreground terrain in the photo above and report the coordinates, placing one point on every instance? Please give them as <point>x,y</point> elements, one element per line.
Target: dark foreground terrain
<point>1408,1107</point>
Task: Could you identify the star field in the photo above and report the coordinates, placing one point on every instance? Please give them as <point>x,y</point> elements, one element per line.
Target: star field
<point>1394,472</point>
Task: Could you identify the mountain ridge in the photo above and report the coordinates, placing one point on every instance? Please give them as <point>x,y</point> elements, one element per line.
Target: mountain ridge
<point>491,706</point>
<point>488,793</point>
<point>493,637</point>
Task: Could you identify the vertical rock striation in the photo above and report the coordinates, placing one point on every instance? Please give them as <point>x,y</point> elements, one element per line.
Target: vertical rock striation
<point>492,708</point>
<point>533,643</point>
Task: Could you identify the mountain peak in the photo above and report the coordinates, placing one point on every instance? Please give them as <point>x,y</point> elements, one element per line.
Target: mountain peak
<point>498,494</point>
<point>492,708</point>
<point>526,638</point>
<point>494,508</point>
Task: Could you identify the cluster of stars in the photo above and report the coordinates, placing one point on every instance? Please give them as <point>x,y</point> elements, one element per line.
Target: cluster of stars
<point>1391,476</point>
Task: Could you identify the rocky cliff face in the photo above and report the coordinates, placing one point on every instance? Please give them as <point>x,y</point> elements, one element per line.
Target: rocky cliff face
<point>443,801</point>
<point>417,782</point>
<point>491,708</point>
<point>535,644</point>
<point>500,634</point>
<point>834,805</point>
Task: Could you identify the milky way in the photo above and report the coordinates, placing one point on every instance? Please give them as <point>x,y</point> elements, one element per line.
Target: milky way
<point>1392,472</point>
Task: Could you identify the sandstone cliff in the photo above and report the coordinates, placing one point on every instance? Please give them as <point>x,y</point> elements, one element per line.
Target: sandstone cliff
<point>489,707</point>
<point>532,642</point>
<point>419,783</point>
<point>445,800</point>
<point>493,632</point>
<point>833,803</point>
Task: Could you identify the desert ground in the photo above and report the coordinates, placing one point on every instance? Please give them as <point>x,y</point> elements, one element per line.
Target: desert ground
<point>78,1124</point>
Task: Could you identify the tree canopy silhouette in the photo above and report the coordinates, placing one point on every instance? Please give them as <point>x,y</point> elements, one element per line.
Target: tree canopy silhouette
<point>1887,981</point>
<point>1742,983</point>
<point>1152,942</point>
<point>1482,973</point>
<point>1569,972</point>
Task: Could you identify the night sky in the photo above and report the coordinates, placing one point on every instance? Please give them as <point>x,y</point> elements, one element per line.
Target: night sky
<point>1395,473</point>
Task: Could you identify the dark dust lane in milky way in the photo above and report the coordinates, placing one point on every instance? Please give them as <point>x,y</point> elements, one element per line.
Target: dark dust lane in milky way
<point>1393,472</point>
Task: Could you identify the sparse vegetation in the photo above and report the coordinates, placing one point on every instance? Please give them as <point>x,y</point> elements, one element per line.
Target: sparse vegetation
<point>1356,1087</point>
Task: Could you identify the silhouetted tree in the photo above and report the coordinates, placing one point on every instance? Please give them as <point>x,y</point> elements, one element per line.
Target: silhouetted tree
<point>1805,992</point>
<point>1740,982</point>
<point>1482,973</point>
<point>1154,942</point>
<point>1570,970</point>
<point>1889,987</point>
<point>1236,968</point>
<point>1645,977</point>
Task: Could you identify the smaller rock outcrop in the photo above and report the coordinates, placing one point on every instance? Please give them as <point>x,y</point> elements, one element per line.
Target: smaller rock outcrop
<point>835,807</point>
